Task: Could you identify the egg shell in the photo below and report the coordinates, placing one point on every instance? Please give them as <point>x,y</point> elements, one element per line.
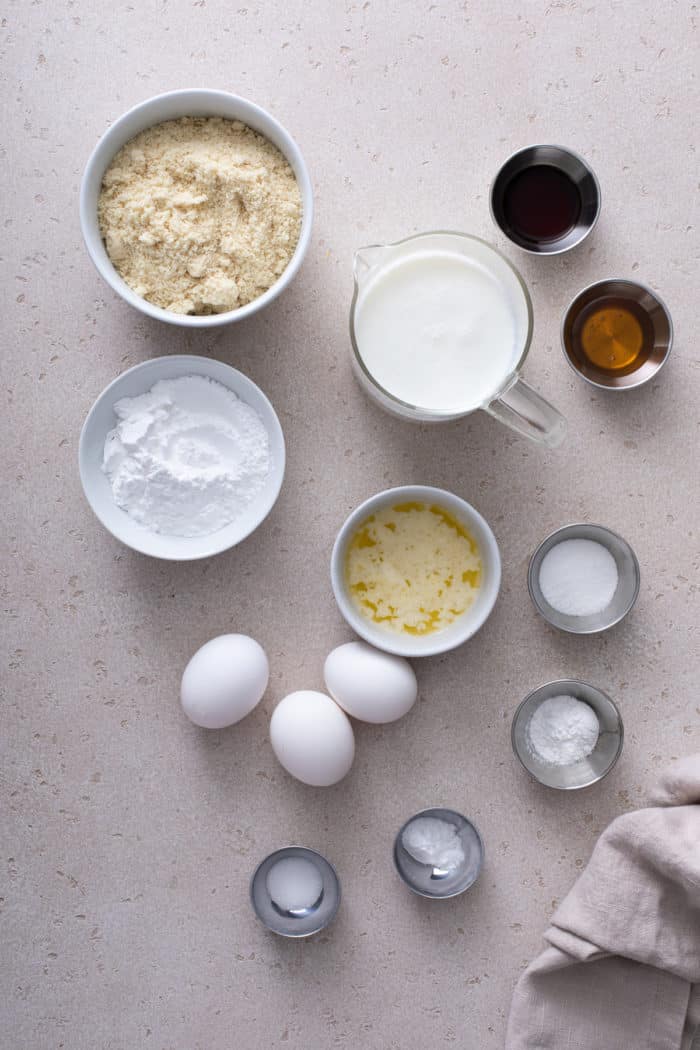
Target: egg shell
<point>224,681</point>
<point>312,738</point>
<point>369,684</point>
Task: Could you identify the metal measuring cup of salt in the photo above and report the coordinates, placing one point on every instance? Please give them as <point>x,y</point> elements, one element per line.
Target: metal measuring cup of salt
<point>447,860</point>
<point>617,598</point>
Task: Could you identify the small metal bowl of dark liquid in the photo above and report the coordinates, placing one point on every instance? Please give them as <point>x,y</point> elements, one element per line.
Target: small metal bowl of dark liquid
<point>545,199</point>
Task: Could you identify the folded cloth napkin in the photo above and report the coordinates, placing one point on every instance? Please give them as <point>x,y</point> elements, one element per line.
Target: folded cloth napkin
<point>621,970</point>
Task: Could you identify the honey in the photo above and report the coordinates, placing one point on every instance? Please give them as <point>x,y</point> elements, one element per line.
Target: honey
<point>412,568</point>
<point>613,335</point>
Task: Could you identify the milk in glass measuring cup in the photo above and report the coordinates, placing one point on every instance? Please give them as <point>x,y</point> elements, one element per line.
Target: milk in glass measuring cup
<point>440,325</point>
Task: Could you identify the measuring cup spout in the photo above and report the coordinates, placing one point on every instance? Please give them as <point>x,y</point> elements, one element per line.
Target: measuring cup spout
<point>366,259</point>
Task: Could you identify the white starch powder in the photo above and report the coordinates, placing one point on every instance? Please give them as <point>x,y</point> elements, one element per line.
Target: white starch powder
<point>186,458</point>
<point>294,884</point>
<point>563,730</point>
<point>578,577</point>
<point>432,841</point>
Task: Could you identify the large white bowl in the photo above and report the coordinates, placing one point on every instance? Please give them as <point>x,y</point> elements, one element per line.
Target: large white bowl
<point>463,627</point>
<point>189,102</point>
<point>101,419</point>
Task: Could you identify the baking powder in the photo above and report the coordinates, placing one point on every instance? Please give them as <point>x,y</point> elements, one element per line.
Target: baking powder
<point>563,730</point>
<point>186,458</point>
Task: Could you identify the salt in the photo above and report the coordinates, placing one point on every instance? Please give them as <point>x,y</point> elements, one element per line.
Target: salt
<point>432,841</point>
<point>578,577</point>
<point>563,731</point>
<point>294,884</point>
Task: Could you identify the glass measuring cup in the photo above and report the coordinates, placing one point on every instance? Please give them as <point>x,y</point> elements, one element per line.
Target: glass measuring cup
<point>509,399</point>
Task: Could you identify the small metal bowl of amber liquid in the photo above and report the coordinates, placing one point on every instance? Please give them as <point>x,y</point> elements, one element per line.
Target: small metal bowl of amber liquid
<point>617,334</point>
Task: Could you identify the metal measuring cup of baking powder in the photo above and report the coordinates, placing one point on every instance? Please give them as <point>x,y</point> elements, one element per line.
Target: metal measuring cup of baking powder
<point>588,770</point>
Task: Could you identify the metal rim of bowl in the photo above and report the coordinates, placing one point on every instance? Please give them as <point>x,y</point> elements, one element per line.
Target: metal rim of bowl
<point>568,682</point>
<point>602,284</point>
<point>586,630</point>
<point>584,163</point>
<point>429,812</point>
<point>272,929</point>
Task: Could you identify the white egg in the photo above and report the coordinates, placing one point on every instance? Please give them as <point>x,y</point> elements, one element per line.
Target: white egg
<point>312,738</point>
<point>224,681</point>
<point>370,685</point>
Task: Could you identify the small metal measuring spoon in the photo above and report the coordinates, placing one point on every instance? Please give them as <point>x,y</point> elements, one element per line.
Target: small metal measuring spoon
<point>296,922</point>
<point>441,883</point>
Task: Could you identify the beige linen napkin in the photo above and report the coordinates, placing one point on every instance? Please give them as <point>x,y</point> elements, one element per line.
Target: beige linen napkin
<point>622,967</point>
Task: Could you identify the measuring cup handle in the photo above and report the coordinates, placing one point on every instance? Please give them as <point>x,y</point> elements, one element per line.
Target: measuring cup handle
<point>522,409</point>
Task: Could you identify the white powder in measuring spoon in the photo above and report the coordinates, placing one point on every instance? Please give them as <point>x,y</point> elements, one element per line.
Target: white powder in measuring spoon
<point>294,884</point>
<point>432,841</point>
<point>578,577</point>
<point>186,458</point>
<point>563,730</point>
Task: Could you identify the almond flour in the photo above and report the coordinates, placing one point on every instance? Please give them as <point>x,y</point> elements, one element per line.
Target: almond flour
<point>200,215</point>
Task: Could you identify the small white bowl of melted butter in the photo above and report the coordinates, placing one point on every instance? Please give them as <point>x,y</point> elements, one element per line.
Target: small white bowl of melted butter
<point>415,570</point>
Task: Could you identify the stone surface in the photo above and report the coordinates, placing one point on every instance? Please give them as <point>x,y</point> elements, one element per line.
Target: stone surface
<point>129,834</point>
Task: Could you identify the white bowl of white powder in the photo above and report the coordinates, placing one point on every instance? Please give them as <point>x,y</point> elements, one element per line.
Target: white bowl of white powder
<point>181,457</point>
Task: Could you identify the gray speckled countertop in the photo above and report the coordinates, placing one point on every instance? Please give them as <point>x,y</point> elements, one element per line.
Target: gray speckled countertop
<point>128,835</point>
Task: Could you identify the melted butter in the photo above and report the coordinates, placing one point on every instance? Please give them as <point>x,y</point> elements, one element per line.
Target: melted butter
<point>413,568</point>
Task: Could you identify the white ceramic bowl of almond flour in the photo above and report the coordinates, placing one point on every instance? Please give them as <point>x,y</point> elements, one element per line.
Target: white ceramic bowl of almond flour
<point>102,419</point>
<point>189,102</point>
